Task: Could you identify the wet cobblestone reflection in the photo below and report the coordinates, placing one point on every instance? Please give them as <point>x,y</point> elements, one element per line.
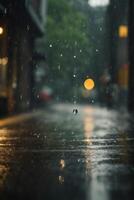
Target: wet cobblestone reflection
<point>89,156</point>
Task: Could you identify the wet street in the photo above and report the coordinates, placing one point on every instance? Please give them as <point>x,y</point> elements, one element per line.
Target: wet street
<point>64,155</point>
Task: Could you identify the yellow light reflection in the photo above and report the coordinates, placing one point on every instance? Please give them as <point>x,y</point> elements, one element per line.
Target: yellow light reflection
<point>1,30</point>
<point>3,61</point>
<point>88,124</point>
<point>88,128</point>
<point>89,84</point>
<point>123,31</point>
<point>5,156</point>
<point>62,163</point>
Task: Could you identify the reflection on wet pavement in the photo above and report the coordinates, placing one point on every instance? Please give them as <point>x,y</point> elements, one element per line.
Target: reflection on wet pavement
<point>59,155</point>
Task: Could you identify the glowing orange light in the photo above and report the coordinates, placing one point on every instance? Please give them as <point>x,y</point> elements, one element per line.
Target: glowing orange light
<point>89,84</point>
<point>123,31</point>
<point>4,61</point>
<point>1,30</point>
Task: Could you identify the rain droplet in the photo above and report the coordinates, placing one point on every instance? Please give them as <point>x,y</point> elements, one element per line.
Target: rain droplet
<point>50,45</point>
<point>74,56</point>
<point>55,129</point>
<point>92,101</point>
<point>75,111</point>
<point>61,179</point>
<point>74,75</point>
<point>14,85</point>
<point>62,163</point>
<point>74,102</point>
<point>5,10</point>
<point>59,67</point>
<point>61,54</point>
<point>28,27</point>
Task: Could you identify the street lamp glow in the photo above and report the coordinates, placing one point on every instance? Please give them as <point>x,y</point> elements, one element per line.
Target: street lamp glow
<point>89,84</point>
<point>98,3</point>
<point>4,61</point>
<point>1,30</point>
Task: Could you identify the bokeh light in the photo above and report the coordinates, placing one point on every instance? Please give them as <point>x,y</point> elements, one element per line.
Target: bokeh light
<point>123,31</point>
<point>89,84</point>
<point>100,3</point>
<point>1,30</point>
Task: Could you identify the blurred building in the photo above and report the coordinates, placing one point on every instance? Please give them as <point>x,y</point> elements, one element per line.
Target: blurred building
<point>119,70</point>
<point>131,55</point>
<point>21,22</point>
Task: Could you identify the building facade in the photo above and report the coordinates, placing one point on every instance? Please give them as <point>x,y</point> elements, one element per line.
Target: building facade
<point>21,22</point>
<point>118,15</point>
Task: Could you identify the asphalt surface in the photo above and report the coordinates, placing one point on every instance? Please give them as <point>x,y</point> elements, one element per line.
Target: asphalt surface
<point>68,152</point>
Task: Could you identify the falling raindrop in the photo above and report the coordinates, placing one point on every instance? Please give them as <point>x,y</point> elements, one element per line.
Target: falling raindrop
<point>75,43</point>
<point>5,10</point>
<point>28,27</point>
<point>50,45</point>
<point>59,67</point>
<point>100,28</point>
<point>74,102</point>
<point>75,85</point>
<point>14,85</point>
<point>75,111</point>
<point>38,135</point>
<point>74,56</point>
<point>55,129</point>
<point>92,101</point>
<point>61,179</point>
<point>21,96</point>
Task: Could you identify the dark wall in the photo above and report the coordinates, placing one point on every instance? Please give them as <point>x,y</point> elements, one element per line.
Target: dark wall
<point>21,34</point>
<point>131,55</point>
